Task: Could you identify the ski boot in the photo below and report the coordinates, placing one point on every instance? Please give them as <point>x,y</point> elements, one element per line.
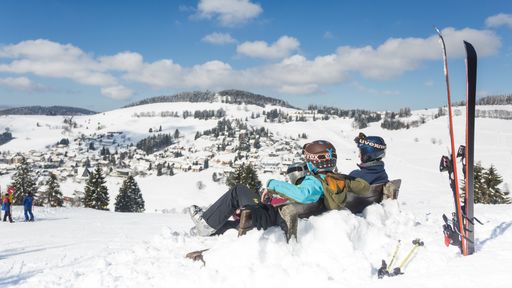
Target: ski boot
<point>245,222</point>
<point>201,227</point>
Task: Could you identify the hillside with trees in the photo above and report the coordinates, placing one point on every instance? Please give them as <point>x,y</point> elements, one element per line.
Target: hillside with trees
<point>227,96</point>
<point>47,110</point>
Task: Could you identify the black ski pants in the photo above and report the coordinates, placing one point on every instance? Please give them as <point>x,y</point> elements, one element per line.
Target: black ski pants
<point>218,214</point>
<point>8,215</point>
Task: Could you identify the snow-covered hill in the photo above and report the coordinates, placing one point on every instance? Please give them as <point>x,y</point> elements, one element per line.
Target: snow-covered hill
<point>76,247</point>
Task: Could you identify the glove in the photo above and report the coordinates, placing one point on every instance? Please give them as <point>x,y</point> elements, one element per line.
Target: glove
<point>263,216</point>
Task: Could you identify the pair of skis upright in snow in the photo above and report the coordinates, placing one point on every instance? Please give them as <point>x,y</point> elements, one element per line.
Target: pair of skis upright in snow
<point>459,230</point>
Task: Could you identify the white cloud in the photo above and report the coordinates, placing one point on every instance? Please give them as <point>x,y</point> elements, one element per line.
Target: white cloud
<point>159,74</point>
<point>261,49</point>
<point>64,61</point>
<point>124,61</point>
<point>212,74</point>
<point>118,92</point>
<point>398,55</point>
<point>229,12</point>
<point>50,59</point>
<point>499,20</point>
<point>219,38</point>
<point>20,83</point>
<point>300,89</point>
<point>293,74</point>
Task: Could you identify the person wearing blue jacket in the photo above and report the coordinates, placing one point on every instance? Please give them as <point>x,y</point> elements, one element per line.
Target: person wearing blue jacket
<point>27,205</point>
<point>6,206</point>
<point>320,157</point>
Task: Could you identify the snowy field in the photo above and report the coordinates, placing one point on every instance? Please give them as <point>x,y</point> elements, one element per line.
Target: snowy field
<point>76,247</point>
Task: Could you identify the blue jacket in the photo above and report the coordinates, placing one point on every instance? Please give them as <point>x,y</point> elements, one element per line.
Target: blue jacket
<point>309,191</point>
<point>27,201</point>
<point>6,205</point>
<point>372,172</point>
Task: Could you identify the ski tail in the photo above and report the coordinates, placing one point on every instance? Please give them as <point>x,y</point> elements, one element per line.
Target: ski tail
<point>471,65</point>
<point>454,180</point>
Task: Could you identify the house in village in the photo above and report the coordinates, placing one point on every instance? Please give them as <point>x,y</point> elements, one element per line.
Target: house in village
<point>82,173</point>
<point>16,159</point>
<point>122,172</point>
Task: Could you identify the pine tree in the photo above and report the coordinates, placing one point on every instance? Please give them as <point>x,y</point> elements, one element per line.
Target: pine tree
<point>52,196</point>
<point>23,182</point>
<point>246,175</point>
<point>96,193</point>
<point>129,198</point>
<point>486,186</point>
<point>492,180</point>
<point>257,144</point>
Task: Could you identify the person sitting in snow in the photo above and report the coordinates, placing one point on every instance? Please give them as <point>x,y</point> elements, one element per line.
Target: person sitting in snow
<point>320,158</point>
<point>371,151</point>
<point>238,197</point>
<point>27,205</point>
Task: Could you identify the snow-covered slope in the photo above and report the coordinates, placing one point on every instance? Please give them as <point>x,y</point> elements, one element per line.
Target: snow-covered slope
<point>73,247</point>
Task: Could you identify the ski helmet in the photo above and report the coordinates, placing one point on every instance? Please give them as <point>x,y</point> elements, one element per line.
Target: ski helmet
<point>296,172</point>
<point>371,147</point>
<point>320,156</point>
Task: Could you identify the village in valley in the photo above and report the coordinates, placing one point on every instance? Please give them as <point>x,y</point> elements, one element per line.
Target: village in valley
<point>165,136</point>
<point>227,146</point>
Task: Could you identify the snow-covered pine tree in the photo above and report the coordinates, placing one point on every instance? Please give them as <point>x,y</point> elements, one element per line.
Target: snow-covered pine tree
<point>96,193</point>
<point>52,196</point>
<point>486,186</point>
<point>246,175</point>
<point>129,198</point>
<point>23,182</point>
<point>492,180</point>
<point>251,178</point>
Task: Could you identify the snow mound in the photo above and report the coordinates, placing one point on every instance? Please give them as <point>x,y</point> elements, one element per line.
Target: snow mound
<point>336,247</point>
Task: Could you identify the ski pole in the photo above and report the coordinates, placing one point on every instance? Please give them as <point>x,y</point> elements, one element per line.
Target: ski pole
<point>417,243</point>
<point>394,255</point>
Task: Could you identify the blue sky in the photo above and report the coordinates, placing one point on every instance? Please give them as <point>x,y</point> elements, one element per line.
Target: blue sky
<point>377,55</point>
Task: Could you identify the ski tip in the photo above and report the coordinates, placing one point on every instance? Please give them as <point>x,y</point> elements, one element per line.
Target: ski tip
<point>469,48</point>
<point>468,45</point>
<point>437,30</point>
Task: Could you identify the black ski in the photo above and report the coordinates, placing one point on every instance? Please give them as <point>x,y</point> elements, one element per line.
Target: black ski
<point>471,61</point>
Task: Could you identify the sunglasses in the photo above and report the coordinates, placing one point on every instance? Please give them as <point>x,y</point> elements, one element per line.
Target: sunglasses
<point>296,169</point>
